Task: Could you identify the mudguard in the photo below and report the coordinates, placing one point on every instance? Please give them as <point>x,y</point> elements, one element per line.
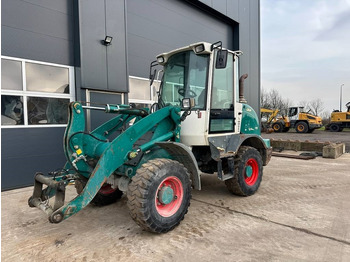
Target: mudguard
<point>184,155</point>
<point>228,145</point>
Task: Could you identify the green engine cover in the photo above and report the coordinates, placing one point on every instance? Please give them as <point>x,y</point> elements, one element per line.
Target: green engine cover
<point>250,121</point>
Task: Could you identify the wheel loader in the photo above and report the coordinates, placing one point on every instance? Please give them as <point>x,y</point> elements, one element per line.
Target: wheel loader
<point>200,123</point>
<point>274,122</point>
<point>339,120</point>
<point>303,122</point>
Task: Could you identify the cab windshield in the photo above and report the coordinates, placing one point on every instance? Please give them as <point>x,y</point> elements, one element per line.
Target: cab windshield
<point>185,76</point>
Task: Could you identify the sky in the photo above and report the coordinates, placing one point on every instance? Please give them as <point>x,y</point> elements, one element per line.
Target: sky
<point>305,50</point>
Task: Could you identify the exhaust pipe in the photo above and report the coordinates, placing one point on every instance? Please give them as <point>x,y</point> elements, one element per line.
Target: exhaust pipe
<point>241,88</point>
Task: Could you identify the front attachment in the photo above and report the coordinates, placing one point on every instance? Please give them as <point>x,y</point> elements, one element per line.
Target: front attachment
<point>56,187</point>
<point>91,156</point>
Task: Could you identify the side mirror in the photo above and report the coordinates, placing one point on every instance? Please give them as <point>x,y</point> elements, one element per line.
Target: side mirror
<point>221,59</point>
<point>187,104</point>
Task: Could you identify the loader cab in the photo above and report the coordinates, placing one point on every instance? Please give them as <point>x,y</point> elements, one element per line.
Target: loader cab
<point>293,112</point>
<point>209,75</point>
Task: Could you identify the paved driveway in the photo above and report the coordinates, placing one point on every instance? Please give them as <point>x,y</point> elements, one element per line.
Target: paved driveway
<point>300,213</point>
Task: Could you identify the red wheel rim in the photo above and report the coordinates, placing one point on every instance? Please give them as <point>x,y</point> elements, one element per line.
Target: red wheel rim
<point>106,189</point>
<point>251,172</point>
<point>174,185</point>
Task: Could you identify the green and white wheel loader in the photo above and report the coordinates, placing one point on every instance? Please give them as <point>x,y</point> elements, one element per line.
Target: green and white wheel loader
<point>200,123</point>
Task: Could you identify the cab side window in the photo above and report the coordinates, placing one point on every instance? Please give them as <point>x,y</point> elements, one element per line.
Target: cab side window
<point>222,91</point>
<point>222,100</point>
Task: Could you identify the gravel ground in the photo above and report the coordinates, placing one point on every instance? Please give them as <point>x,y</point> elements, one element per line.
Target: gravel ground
<point>320,135</point>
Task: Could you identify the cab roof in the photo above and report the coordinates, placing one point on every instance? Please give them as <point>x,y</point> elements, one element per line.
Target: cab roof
<point>198,48</point>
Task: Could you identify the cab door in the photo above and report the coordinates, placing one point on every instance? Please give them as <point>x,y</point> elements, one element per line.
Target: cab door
<point>221,118</point>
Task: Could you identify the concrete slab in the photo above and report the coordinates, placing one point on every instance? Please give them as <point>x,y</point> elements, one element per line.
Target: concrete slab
<point>300,213</point>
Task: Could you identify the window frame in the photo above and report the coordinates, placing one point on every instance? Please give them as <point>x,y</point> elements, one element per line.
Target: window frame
<point>25,94</point>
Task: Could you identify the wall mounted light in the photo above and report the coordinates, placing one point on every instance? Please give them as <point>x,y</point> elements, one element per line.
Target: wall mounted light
<point>108,40</point>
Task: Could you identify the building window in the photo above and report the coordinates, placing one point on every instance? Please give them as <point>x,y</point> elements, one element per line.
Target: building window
<point>140,91</point>
<point>35,93</point>
<point>11,75</point>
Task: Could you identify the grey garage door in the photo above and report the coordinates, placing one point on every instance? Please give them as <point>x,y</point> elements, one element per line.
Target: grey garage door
<point>157,26</point>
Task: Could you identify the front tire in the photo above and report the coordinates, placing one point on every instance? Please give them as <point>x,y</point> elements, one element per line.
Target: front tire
<point>334,128</point>
<point>277,127</point>
<point>248,172</point>
<point>159,195</point>
<point>105,196</point>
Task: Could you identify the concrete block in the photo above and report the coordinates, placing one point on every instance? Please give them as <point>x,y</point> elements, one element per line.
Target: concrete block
<point>333,150</point>
<point>312,146</point>
<point>286,144</point>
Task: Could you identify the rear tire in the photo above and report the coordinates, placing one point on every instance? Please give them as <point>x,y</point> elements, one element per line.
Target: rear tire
<point>248,172</point>
<point>301,127</point>
<point>159,195</point>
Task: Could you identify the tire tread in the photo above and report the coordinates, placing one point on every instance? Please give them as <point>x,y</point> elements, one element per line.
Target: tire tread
<point>137,194</point>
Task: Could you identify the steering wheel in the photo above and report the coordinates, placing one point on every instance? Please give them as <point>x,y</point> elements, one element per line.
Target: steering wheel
<point>227,103</point>
<point>182,92</point>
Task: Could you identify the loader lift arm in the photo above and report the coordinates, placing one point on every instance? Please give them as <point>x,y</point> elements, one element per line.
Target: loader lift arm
<point>80,146</point>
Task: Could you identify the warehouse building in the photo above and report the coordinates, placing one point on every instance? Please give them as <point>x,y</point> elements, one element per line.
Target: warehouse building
<point>57,51</point>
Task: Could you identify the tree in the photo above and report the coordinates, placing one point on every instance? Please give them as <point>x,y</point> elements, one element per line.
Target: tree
<point>264,101</point>
<point>326,117</point>
<point>316,106</point>
<point>304,104</point>
<point>273,100</point>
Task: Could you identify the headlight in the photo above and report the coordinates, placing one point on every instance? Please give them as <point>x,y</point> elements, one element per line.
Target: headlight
<point>160,59</point>
<point>188,103</point>
<point>199,48</point>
